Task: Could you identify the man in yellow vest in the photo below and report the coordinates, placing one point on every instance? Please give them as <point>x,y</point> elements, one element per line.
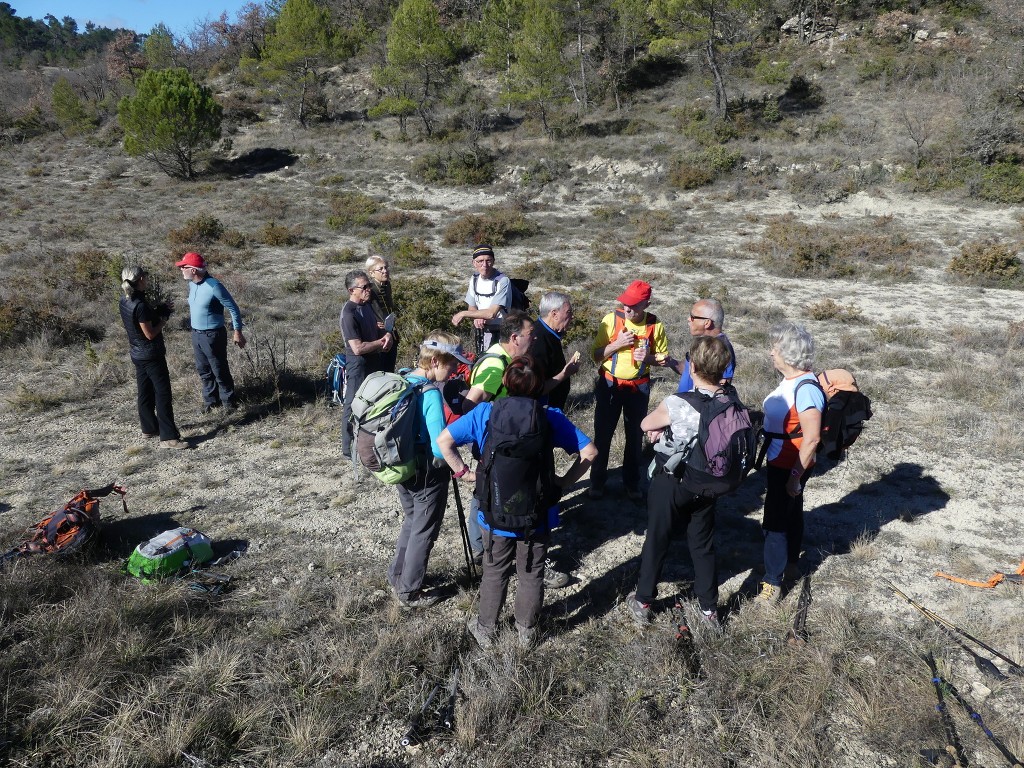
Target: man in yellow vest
<point>629,340</point>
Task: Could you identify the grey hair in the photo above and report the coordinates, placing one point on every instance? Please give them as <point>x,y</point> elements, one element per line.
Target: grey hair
<point>355,274</point>
<point>129,277</point>
<point>712,309</point>
<point>550,301</point>
<point>795,345</point>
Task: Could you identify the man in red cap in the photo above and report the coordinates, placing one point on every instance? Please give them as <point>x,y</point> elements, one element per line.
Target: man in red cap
<point>207,300</point>
<point>629,340</point>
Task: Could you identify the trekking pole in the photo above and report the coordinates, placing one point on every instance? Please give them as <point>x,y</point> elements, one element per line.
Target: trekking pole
<point>448,712</point>
<point>414,733</point>
<point>947,624</point>
<point>467,549</point>
<point>797,634</point>
<point>953,745</point>
<point>941,682</point>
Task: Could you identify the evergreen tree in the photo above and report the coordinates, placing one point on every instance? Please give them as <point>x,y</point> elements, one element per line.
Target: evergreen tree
<point>305,42</point>
<point>501,23</point>
<point>68,110</point>
<point>170,120</point>
<point>158,48</point>
<point>420,64</point>
<point>538,78</point>
<point>716,28</point>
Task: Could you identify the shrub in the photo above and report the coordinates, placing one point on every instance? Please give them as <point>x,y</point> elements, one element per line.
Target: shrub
<point>701,168</point>
<point>471,166</point>
<point>827,309</point>
<point>423,304</point>
<point>346,255</point>
<point>894,26</point>
<point>772,72</point>
<point>987,261</point>
<point>1002,182</point>
<point>199,230</point>
<point>554,270</point>
<point>391,219</point>
<point>404,252</point>
<point>497,226</point>
<point>350,209</point>
<point>614,252</point>
<point>170,120</point>
<point>233,238</point>
<point>650,224</point>
<point>272,234</point>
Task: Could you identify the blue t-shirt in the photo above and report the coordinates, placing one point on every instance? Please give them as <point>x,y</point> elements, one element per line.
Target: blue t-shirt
<point>207,301</point>
<point>686,380</point>
<point>432,412</point>
<point>472,428</point>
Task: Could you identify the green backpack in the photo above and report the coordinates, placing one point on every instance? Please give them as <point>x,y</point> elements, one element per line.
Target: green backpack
<point>168,554</point>
<point>385,413</point>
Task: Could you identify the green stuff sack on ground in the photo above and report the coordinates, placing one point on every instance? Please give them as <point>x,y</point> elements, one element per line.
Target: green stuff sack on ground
<point>168,554</point>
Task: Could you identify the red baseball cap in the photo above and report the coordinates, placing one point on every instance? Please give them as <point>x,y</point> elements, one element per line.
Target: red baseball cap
<point>638,291</point>
<point>192,260</point>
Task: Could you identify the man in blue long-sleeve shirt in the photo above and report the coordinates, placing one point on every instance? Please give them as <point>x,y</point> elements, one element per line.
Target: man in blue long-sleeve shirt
<point>207,300</point>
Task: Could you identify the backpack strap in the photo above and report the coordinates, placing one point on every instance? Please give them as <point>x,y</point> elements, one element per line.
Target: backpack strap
<point>493,356</point>
<point>796,433</point>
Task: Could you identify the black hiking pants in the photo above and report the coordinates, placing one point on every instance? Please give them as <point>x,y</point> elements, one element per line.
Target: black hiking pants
<point>671,508</point>
<point>156,407</point>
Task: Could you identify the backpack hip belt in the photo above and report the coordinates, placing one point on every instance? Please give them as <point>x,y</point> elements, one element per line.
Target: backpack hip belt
<point>626,383</point>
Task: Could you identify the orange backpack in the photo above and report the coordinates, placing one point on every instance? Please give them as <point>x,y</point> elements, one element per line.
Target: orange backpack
<point>69,528</point>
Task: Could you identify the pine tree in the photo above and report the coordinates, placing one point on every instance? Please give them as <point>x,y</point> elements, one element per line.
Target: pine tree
<point>420,64</point>
<point>170,120</point>
<point>68,109</point>
<point>539,74</point>
<point>159,48</point>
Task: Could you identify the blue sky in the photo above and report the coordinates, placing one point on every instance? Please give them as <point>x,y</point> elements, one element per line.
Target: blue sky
<point>140,15</point>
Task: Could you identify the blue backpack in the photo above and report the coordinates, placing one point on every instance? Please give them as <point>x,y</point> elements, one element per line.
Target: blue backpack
<point>336,380</point>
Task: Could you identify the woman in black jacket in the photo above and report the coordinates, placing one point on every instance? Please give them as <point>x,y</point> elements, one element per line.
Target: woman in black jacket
<point>144,325</point>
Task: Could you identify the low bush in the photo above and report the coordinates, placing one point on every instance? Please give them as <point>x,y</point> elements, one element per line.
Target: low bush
<point>987,262</point>
<point>473,166</point>
<point>274,234</point>
<point>650,224</point>
<point>1002,182</point>
<point>828,309</point>
<point>497,226</point>
<point>199,231</point>
<point>404,251</point>
<point>614,252</point>
<point>423,304</point>
<point>553,270</point>
<point>391,219</point>
<point>346,255</point>
<point>350,209</point>
<point>699,169</point>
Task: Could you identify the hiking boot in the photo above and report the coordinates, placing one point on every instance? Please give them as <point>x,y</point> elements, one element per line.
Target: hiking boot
<point>178,445</point>
<point>770,595</point>
<point>596,492</point>
<point>417,599</point>
<point>554,579</point>
<point>641,612</point>
<point>150,435</point>
<point>483,637</point>
<point>527,636</point>
<point>634,494</point>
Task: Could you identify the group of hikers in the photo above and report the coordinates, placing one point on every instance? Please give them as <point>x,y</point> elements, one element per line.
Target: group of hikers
<point>509,409</point>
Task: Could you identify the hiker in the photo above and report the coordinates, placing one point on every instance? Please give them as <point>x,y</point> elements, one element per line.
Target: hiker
<point>524,551</point>
<point>381,302</point>
<point>670,506</point>
<point>364,342</point>
<point>424,496</point>
<point>706,319</point>
<point>144,324</point>
<point>789,408</point>
<point>629,340</point>
<point>554,317</point>
<point>489,297</point>
<point>207,300</point>
<point>486,384</point>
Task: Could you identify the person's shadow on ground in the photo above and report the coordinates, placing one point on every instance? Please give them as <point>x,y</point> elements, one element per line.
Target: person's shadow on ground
<point>905,493</point>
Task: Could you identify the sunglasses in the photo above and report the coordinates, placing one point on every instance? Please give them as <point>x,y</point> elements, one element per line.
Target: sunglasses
<point>698,317</point>
<point>361,287</point>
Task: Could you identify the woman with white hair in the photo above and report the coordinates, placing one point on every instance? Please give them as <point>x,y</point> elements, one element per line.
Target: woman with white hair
<point>792,419</point>
<point>383,304</point>
<point>144,324</point>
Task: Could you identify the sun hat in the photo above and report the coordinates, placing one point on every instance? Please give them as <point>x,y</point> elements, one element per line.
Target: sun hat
<point>192,260</point>
<point>638,291</point>
<point>448,349</point>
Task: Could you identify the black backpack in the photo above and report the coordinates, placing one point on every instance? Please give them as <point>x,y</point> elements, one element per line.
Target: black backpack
<point>715,460</point>
<point>515,482</point>
<point>517,296</point>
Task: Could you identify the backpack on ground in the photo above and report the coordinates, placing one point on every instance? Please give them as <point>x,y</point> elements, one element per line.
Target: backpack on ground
<point>168,554</point>
<point>842,421</point>
<point>722,452</point>
<point>68,529</point>
<point>384,420</point>
<point>336,380</point>
<point>516,475</point>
